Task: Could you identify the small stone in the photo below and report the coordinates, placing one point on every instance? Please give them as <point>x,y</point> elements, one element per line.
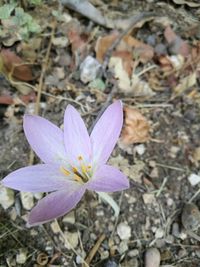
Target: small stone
<point>140,149</point>
<point>160,49</point>
<point>69,218</point>
<point>133,253</point>
<point>124,231</point>
<point>38,196</point>
<point>152,258</point>
<point>71,239</point>
<point>190,217</point>
<point>159,233</point>
<point>61,41</point>
<point>27,200</point>
<point>148,198</point>
<point>175,230</point>
<point>6,197</point>
<point>13,214</point>
<point>194,179</point>
<point>110,263</point>
<point>89,68</point>
<point>21,256</point>
<point>123,247</point>
<point>182,253</point>
<point>55,227</point>
<point>80,258</point>
<point>169,239</point>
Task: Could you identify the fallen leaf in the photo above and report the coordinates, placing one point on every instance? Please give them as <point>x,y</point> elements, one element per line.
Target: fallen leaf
<point>176,44</point>
<point>185,83</point>
<point>142,51</point>
<point>140,88</point>
<point>132,86</point>
<point>120,73</point>
<point>15,66</point>
<point>136,127</point>
<point>127,60</point>
<point>102,45</point>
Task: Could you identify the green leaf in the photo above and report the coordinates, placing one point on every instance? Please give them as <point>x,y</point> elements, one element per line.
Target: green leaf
<point>6,10</point>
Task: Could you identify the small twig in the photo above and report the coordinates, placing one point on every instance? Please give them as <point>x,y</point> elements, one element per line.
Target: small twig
<point>94,250</point>
<point>194,196</point>
<point>41,81</point>
<point>162,187</point>
<point>67,241</point>
<point>170,167</point>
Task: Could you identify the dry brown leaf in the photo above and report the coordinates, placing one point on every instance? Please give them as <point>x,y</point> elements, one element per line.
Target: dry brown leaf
<point>127,60</point>
<point>14,65</point>
<point>102,45</point>
<point>178,46</point>
<point>136,127</point>
<point>185,84</point>
<point>143,51</point>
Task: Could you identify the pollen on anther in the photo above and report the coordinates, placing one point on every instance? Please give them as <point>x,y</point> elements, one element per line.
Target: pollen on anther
<point>80,158</point>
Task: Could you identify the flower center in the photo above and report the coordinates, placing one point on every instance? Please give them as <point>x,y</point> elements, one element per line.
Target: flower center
<point>81,173</point>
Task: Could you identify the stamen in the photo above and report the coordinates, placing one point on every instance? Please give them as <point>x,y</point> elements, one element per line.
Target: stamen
<point>80,158</point>
<point>83,168</point>
<point>64,171</point>
<point>78,178</point>
<point>74,169</point>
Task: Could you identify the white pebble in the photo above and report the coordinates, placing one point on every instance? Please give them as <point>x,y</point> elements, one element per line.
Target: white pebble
<point>124,231</point>
<point>6,197</point>
<point>152,257</point>
<point>159,233</point>
<point>89,68</point>
<point>71,239</point>
<point>194,179</point>
<point>140,149</point>
<point>21,256</point>
<point>27,200</point>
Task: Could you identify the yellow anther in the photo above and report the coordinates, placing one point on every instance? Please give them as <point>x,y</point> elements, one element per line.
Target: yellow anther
<point>78,178</point>
<point>89,167</point>
<point>80,158</point>
<point>64,171</point>
<point>74,169</point>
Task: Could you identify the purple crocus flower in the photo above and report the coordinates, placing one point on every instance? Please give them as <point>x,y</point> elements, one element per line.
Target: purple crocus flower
<point>73,161</point>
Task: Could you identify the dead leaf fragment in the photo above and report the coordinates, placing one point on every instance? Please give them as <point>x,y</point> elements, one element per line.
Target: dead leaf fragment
<point>136,127</point>
<point>185,83</point>
<point>14,65</point>
<point>176,44</point>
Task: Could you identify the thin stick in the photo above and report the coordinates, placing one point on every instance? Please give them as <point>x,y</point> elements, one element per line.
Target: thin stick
<point>94,250</point>
<point>67,241</point>
<point>41,81</point>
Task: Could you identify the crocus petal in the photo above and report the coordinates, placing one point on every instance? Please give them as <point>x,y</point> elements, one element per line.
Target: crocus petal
<point>77,140</point>
<point>38,178</point>
<point>108,179</point>
<point>55,205</point>
<point>106,132</point>
<point>45,138</point>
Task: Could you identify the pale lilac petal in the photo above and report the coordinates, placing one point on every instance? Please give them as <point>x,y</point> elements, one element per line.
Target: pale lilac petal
<point>37,178</point>
<point>45,138</point>
<point>55,205</point>
<point>108,179</point>
<point>77,140</point>
<point>106,132</point>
